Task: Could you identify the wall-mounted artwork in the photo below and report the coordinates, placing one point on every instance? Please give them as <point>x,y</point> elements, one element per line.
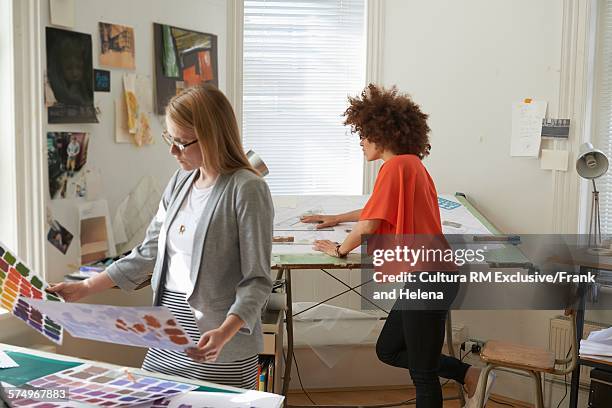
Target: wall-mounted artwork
<point>18,282</point>
<point>183,58</point>
<point>101,80</point>
<point>59,237</point>
<point>70,75</point>
<point>66,157</point>
<point>117,46</point>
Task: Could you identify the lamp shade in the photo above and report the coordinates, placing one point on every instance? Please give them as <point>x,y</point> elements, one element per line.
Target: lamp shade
<point>591,163</point>
<point>257,163</point>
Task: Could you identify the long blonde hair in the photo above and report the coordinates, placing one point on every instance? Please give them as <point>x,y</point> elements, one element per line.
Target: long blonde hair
<point>207,111</point>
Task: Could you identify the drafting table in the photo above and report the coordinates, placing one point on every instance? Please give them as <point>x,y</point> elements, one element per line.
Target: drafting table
<point>289,208</point>
<point>36,364</point>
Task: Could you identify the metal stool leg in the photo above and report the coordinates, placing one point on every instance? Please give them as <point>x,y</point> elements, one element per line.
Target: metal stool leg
<point>537,380</point>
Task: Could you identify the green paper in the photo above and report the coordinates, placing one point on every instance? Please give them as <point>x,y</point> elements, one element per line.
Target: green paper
<point>31,367</point>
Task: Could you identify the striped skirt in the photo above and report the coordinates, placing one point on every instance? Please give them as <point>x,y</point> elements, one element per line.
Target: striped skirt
<point>241,373</point>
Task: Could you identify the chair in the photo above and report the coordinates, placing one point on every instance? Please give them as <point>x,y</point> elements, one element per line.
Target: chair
<point>514,358</point>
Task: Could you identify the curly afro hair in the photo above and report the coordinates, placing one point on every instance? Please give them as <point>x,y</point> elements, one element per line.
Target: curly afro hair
<point>389,119</point>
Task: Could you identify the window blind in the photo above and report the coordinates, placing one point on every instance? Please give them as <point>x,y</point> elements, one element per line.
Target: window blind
<point>301,59</point>
<point>602,108</point>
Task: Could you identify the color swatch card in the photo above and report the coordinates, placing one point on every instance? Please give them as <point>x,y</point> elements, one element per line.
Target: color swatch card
<point>99,386</point>
<point>445,204</point>
<point>134,326</point>
<point>18,282</point>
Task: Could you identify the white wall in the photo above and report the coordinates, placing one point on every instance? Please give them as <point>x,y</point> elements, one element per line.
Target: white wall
<point>465,62</point>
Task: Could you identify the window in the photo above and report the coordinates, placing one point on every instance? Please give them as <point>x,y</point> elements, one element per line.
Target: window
<point>301,59</point>
<point>602,108</point>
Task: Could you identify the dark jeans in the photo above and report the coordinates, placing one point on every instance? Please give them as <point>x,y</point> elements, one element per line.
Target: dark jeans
<point>413,339</point>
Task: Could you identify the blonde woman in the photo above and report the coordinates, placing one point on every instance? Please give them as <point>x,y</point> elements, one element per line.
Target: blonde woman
<point>208,248</point>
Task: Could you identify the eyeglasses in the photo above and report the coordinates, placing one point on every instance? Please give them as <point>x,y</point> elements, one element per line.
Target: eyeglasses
<point>169,139</point>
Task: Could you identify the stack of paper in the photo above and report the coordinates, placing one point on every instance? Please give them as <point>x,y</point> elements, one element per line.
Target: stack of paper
<point>598,345</point>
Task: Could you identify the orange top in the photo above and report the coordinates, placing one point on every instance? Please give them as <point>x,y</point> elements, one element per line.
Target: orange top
<point>404,199</point>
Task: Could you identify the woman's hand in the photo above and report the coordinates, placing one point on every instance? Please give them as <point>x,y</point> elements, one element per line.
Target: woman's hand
<point>210,345</point>
<point>326,246</point>
<point>70,291</point>
<point>324,221</point>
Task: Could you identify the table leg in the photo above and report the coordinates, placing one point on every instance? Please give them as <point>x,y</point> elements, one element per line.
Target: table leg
<point>289,325</point>
<point>575,384</point>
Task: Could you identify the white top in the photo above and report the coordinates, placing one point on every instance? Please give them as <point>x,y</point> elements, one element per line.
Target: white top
<point>179,244</point>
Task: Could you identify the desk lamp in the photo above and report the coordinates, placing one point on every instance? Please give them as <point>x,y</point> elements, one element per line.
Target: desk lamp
<point>591,164</point>
<point>257,163</point>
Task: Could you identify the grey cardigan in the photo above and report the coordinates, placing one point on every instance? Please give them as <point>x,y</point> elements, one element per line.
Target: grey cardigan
<point>231,256</point>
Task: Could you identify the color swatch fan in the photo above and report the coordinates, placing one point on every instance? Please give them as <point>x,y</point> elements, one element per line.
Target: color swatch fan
<point>134,326</point>
<point>16,280</point>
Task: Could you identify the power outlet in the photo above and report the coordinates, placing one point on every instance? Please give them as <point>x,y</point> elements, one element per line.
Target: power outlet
<point>472,345</point>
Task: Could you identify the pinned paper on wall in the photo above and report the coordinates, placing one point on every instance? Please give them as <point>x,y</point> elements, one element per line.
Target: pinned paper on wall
<point>135,213</point>
<point>554,159</point>
<point>527,118</point>
<point>62,12</point>
<point>18,282</point>
<point>122,131</point>
<point>134,326</point>
<point>117,46</point>
<point>70,74</point>
<point>139,101</point>
<point>97,239</point>
<point>66,160</point>
<point>59,237</point>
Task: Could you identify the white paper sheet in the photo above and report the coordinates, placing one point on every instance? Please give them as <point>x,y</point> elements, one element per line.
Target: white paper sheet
<point>135,213</point>
<point>6,361</point>
<point>527,128</point>
<point>554,159</point>
<point>62,12</point>
<point>248,399</point>
<point>136,326</point>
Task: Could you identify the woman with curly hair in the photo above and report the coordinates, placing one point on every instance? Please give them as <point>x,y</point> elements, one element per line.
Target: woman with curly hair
<point>404,201</point>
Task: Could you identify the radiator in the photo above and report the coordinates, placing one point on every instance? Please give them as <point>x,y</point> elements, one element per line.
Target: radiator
<point>560,340</point>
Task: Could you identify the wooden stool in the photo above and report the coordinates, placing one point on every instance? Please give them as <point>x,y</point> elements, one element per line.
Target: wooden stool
<point>513,357</point>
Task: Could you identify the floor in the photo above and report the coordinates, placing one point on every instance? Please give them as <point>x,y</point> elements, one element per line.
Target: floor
<point>368,397</point>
